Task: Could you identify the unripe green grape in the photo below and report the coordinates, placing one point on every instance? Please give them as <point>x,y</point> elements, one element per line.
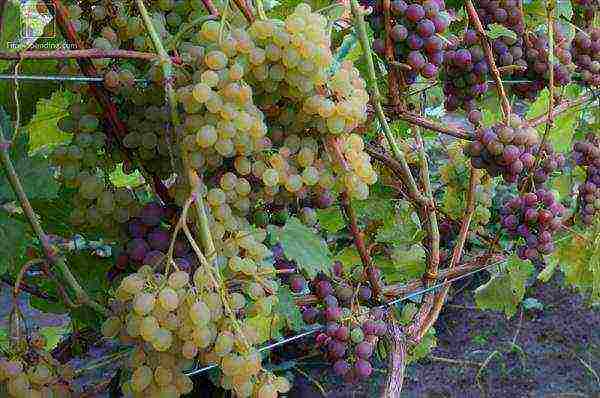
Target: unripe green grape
<point>293,183</point>
<point>143,303</point>
<point>270,177</point>
<point>163,376</point>
<point>183,384</point>
<point>210,30</point>
<point>189,350</point>
<point>111,327</point>
<point>179,279</point>
<point>224,343</point>
<point>200,313</point>
<point>148,327</point>
<point>267,391</point>
<point>202,92</point>
<point>203,337</point>
<point>162,339</point>
<point>141,378</point>
<point>206,136</point>
<point>168,299</point>
<point>216,60</point>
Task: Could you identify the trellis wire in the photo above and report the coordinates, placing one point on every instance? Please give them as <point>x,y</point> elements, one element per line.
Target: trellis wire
<point>314,330</point>
<point>84,79</point>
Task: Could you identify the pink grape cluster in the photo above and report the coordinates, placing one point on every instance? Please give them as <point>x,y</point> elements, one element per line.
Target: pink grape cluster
<point>586,153</point>
<point>347,341</point>
<point>466,73</point>
<point>533,218</point>
<point>586,55</point>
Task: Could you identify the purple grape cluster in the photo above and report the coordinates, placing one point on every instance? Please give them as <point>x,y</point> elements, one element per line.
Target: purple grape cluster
<point>504,12</point>
<point>536,75</point>
<point>585,51</point>
<point>586,153</point>
<point>465,73</point>
<point>588,8</point>
<point>507,150</point>
<point>347,343</point>
<point>149,237</point>
<point>534,218</point>
<point>415,29</point>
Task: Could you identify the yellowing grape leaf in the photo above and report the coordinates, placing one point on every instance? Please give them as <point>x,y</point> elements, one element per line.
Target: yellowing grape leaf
<point>505,290</point>
<point>579,258</point>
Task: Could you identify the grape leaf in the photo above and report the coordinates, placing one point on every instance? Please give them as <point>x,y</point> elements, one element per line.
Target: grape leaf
<point>561,134</point>
<point>579,259</point>
<point>505,290</point>
<point>401,226</point>
<point>331,219</point>
<point>496,31</point>
<point>266,326</point>
<point>421,350</point>
<point>33,171</point>
<point>286,306</point>
<point>564,8</point>
<point>13,242</point>
<point>304,246</point>
<point>43,129</point>
<point>407,262</point>
<point>349,257</point>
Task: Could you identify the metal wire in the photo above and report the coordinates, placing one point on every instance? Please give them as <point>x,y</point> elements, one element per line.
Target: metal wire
<point>84,79</point>
<point>314,330</point>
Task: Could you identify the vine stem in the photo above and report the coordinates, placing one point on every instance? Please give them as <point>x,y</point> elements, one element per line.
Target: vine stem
<point>457,253</point>
<point>117,127</point>
<point>193,179</point>
<point>490,58</point>
<point>210,7</point>
<point>430,211</point>
<point>396,359</point>
<point>391,292</point>
<point>92,53</point>
<point>428,124</point>
<point>361,31</point>
<point>359,242</point>
<point>49,252</point>
<point>243,7</point>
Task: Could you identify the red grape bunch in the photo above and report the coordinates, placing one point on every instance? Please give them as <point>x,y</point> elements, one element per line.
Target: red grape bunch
<point>587,154</point>
<point>349,339</point>
<point>505,12</point>
<point>506,150</point>
<point>538,66</point>
<point>148,240</point>
<point>533,218</point>
<point>585,51</point>
<point>589,9</point>
<point>466,73</point>
<point>415,31</point>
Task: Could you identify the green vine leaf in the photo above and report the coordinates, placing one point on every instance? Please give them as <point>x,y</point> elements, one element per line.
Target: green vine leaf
<point>505,290</point>
<point>13,242</point>
<point>496,31</point>
<point>304,246</point>
<point>34,171</point>
<point>331,219</point>
<point>564,8</point>
<point>42,128</point>
<point>286,306</point>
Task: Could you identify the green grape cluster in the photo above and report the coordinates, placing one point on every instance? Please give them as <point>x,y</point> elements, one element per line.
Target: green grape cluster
<point>455,176</point>
<point>43,377</point>
<point>291,59</point>
<point>173,321</point>
<point>84,164</point>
